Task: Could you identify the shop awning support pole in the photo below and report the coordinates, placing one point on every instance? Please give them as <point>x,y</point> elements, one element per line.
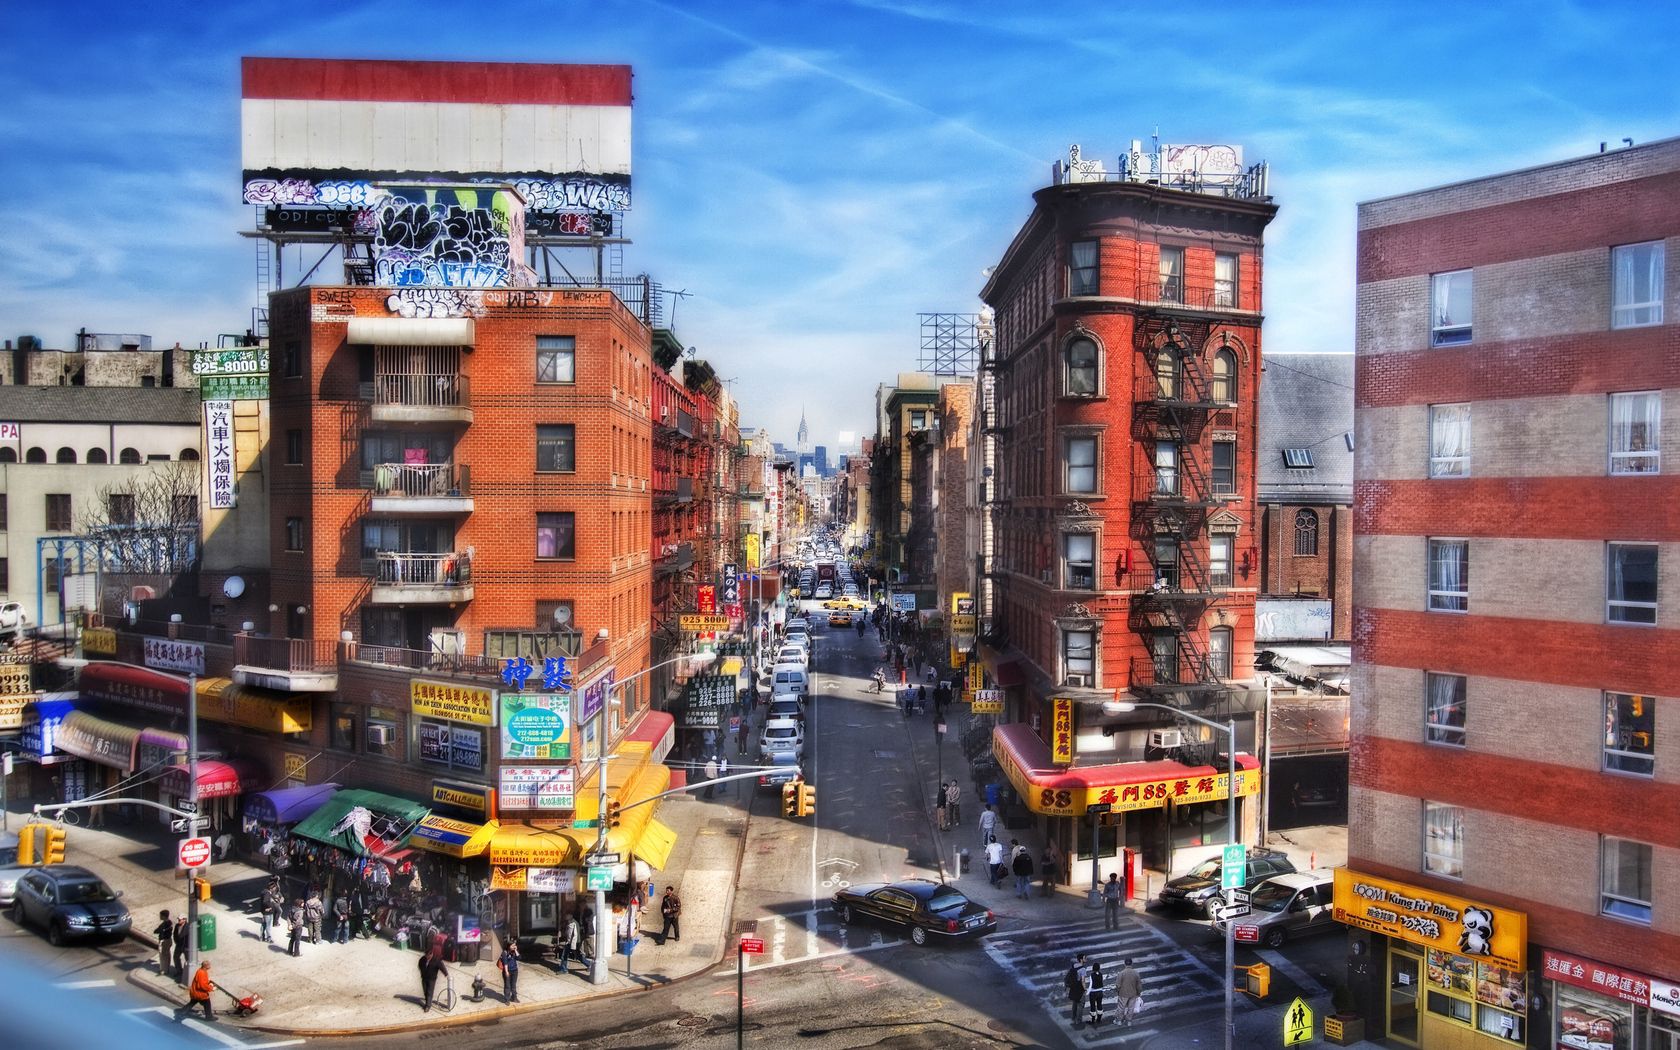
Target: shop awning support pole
<point>192,823</point>
<point>1231,923</point>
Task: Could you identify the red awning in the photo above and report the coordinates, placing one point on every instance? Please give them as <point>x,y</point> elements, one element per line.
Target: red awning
<point>657,729</point>
<point>1052,790</point>
<point>216,779</point>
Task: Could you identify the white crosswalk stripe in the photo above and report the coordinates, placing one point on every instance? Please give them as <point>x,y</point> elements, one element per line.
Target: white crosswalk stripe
<point>1178,988</point>
<point>815,934</point>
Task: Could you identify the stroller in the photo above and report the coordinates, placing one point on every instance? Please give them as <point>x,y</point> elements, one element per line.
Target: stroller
<point>242,1007</point>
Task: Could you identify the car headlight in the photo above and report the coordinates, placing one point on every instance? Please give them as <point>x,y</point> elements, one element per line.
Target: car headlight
<point>79,920</point>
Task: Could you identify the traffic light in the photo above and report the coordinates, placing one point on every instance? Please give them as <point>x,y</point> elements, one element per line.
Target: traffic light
<point>790,800</point>
<point>52,849</point>
<point>201,888</point>
<point>613,815</point>
<point>26,843</point>
<point>807,800</point>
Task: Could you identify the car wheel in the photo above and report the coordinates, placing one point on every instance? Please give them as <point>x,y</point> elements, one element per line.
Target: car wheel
<point>55,935</point>
<point>17,912</point>
<point>918,935</point>
<point>843,912</point>
<point>1275,937</point>
<point>1211,906</point>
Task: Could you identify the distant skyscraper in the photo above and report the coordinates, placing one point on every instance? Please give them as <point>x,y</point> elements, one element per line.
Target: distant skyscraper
<point>820,458</point>
<point>804,440</point>
<point>846,441</point>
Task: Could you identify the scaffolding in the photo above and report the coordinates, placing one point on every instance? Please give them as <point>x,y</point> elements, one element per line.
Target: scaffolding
<point>951,344</point>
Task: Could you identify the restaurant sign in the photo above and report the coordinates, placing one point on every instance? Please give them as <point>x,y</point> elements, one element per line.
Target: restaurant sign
<point>537,787</point>
<point>1433,919</point>
<point>987,702</point>
<point>1061,731</point>
<point>100,640</point>
<point>453,702</point>
<point>533,880</point>
<point>1626,985</point>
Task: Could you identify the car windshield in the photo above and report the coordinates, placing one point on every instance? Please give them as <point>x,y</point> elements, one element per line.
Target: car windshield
<point>1271,897</point>
<point>1207,869</point>
<point>781,734</point>
<point>88,892</point>
<point>946,901</point>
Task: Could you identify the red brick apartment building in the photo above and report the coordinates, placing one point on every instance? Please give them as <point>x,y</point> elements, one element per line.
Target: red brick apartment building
<point>1126,365</point>
<point>1514,851</point>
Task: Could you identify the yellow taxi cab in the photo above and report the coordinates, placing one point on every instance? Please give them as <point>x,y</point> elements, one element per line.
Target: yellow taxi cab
<point>840,618</point>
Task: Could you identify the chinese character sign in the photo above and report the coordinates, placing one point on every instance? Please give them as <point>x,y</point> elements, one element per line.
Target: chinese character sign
<point>707,598</point>
<point>752,550</point>
<point>218,442</point>
<point>556,675</point>
<point>1061,735</point>
<point>516,671</point>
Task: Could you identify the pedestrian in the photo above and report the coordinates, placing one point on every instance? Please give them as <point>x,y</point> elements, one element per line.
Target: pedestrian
<point>988,825</point>
<point>341,919</point>
<point>431,967</point>
<point>358,915</point>
<point>1094,989</point>
<point>298,921</point>
<point>314,911</point>
<point>741,734</point>
<point>1128,994</point>
<point>994,862</point>
<point>273,905</point>
<point>670,910</point>
<point>939,807</point>
<point>567,941</point>
<point>711,775</point>
<point>1049,867</point>
<point>198,992</point>
<point>723,769</point>
<point>586,947</point>
<point>1022,866</point>
<point>992,794</point>
<point>509,965</point>
<point>953,802</point>
<point>1114,898</point>
<point>1075,983</point>
<point>182,932</point>
<point>165,934</point>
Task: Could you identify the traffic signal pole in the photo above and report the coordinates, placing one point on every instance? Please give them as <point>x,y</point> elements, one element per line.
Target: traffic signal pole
<point>192,824</point>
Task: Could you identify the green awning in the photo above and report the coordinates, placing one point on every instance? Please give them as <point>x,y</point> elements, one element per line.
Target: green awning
<point>366,823</point>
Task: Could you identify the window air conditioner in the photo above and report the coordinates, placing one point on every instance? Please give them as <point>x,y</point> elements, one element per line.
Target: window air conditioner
<point>1166,739</point>
<point>1081,680</point>
<point>664,413</point>
<point>381,736</point>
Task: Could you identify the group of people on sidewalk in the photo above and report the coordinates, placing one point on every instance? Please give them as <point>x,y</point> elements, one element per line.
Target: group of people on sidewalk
<point>1085,989</point>
<point>306,916</point>
<point>1018,861</point>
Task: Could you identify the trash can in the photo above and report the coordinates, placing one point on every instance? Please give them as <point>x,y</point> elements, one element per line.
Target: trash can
<point>962,861</point>
<point>206,933</point>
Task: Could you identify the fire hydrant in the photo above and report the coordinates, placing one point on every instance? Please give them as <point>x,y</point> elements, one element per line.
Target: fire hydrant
<point>477,989</point>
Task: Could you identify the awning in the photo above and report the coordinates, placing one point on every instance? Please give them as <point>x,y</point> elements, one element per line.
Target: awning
<point>287,805</point>
<point>453,838</point>
<point>410,331</point>
<point>656,844</point>
<point>658,730</point>
<point>366,823</point>
<point>1123,786</point>
<point>216,779</point>
<point>219,699</point>
<point>1311,661</point>
<point>97,740</point>
<point>523,845</point>
<point>637,834</point>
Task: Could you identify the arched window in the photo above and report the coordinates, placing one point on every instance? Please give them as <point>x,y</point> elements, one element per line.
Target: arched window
<point>97,455</point>
<point>188,455</point>
<point>1219,652</point>
<point>1306,532</point>
<point>1224,376</point>
<point>8,455</point>
<point>36,455</point>
<point>129,455</point>
<point>1080,368</point>
<point>66,455</point>
<point>1166,372</point>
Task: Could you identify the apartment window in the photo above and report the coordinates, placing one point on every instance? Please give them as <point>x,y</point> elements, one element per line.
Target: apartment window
<point>1079,561</point>
<point>1079,662</point>
<point>4,513</point>
<point>1624,879</point>
<point>557,448</point>
<point>1224,377</point>
<point>1080,367</point>
<point>1166,564</point>
<point>343,735</point>
<point>1449,441</point>
<point>1167,373</point>
<point>1082,268</point>
<point>67,455</point>
<point>1630,732</point>
<point>556,359</point>
<point>183,508</point>
<point>1224,279</point>
<point>918,420</point>
<point>1166,468</point>
<point>1224,467</point>
<point>1219,652</point>
<point>294,447</point>
<point>1444,708</point>
<point>1080,454</point>
<point>1635,432</point>
<point>1449,575</point>
<point>1163,655</point>
<point>556,536</point>
<point>1636,285</point>
<point>1306,533</point>
<point>385,735</point>
<point>294,534</point>
<point>1172,275</point>
<point>1449,308</point>
<point>1220,548</point>
<point>120,508</point>
<point>1443,840</point>
<point>291,359</point>
<point>1632,590</point>
<point>58,512</point>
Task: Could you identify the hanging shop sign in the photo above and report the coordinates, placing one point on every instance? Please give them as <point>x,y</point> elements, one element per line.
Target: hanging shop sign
<point>453,701</point>
<point>1431,918</point>
<point>963,622</point>
<point>537,787</point>
<point>1061,731</point>
<point>11,709</point>
<point>473,798</point>
<point>537,726</point>
<point>987,702</point>
<point>752,550</point>
<point>169,655</point>
<point>729,591</point>
<point>1626,985</point>
<point>218,439</point>
<point>594,695</point>
<point>706,600</point>
<point>977,676</point>
<point>41,723</point>
<point>101,640</point>
<point>702,622</point>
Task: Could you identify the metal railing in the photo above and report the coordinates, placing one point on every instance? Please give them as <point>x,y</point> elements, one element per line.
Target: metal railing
<point>403,569</point>
<point>472,666</point>
<point>422,389</point>
<point>285,654</point>
<point>421,479</point>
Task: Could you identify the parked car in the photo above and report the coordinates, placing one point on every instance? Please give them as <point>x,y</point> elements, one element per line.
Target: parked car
<point>789,679</point>
<point>784,769</point>
<point>1284,907</point>
<point>793,654</point>
<point>9,876</point>
<point>69,902</point>
<point>781,734</point>
<point>1199,887</point>
<point>784,705</point>
<point>922,906</point>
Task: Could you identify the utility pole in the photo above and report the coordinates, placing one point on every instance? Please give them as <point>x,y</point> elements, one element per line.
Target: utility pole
<point>192,822</point>
<point>603,935</point>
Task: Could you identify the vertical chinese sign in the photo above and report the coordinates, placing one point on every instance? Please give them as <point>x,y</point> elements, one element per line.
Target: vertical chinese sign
<point>218,441</point>
<point>1061,731</point>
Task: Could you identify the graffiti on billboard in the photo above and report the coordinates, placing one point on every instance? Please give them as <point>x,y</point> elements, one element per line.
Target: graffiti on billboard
<point>542,192</point>
<point>441,245</point>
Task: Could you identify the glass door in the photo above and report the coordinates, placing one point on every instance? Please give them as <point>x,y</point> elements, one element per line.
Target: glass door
<point>1403,973</point>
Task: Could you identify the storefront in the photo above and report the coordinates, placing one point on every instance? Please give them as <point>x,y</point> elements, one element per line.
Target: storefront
<point>1449,973</point>
<point>1596,1006</point>
<point>56,775</point>
<point>271,815</point>
<point>356,843</point>
<point>221,783</point>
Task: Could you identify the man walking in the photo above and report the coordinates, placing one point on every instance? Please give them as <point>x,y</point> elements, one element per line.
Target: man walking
<point>341,919</point>
<point>431,967</point>
<point>165,934</point>
<point>1128,994</point>
<point>586,946</point>
<point>314,911</point>
<point>1114,898</point>
<point>711,775</point>
<point>994,862</point>
<point>199,991</point>
<point>1022,866</point>
<point>1075,982</point>
<point>670,910</point>
<point>568,941</point>
<point>953,803</point>
<point>988,825</point>
<point>182,932</point>
<point>298,922</point>
<point>509,965</point>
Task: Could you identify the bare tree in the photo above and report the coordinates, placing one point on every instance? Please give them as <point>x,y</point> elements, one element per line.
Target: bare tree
<point>148,523</point>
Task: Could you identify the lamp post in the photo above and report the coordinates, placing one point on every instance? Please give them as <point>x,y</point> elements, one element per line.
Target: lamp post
<point>1120,707</point>
<point>603,936</point>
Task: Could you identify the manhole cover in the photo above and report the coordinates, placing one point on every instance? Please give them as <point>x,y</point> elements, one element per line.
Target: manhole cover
<point>1002,1024</point>
<point>696,1021</point>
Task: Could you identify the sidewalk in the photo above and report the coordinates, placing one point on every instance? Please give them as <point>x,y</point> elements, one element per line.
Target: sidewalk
<point>371,986</point>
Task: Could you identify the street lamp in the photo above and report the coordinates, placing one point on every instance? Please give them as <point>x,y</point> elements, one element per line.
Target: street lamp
<point>1120,707</point>
<point>598,964</point>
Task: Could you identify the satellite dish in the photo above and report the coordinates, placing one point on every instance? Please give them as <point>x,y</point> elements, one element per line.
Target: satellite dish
<point>233,586</point>
<point>562,615</point>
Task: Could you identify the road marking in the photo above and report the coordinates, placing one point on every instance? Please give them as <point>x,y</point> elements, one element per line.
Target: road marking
<point>212,1032</point>
<point>271,1046</point>
<point>69,985</point>
<point>811,945</point>
<point>1292,971</point>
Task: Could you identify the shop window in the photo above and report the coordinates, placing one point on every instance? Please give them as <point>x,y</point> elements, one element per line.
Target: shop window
<point>384,734</point>
<point>447,744</point>
<point>344,721</point>
<point>1630,734</point>
<point>1585,1019</point>
<point>1443,840</point>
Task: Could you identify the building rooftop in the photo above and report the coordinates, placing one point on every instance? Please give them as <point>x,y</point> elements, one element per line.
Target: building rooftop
<point>99,404</point>
<point>1306,425</point>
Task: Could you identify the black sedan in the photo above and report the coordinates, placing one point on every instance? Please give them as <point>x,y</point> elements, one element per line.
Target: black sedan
<point>924,906</point>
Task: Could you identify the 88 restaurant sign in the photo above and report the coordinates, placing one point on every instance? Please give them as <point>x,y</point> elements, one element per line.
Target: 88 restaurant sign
<point>1065,793</point>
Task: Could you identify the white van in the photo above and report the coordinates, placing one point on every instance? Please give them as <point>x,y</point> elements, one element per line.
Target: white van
<point>790,679</point>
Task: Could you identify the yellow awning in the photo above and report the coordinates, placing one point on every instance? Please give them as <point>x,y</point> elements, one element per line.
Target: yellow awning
<point>622,769</point>
<point>527,846</point>
<point>221,700</point>
<point>656,844</point>
<point>453,838</point>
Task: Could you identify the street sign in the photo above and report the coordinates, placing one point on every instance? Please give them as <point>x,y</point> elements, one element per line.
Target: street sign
<point>1297,1023</point>
<point>752,946</point>
<point>193,853</point>
<point>1239,896</point>
<point>180,825</point>
<point>604,858</point>
<point>1099,807</point>
<point>1233,866</point>
<point>1232,911</point>
<point>599,879</point>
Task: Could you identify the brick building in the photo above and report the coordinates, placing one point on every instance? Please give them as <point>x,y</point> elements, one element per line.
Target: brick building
<point>1516,771</point>
<point>1124,375</point>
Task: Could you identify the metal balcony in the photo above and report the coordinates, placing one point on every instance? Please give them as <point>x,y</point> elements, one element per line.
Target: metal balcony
<point>420,397</point>
<point>404,578</point>
<point>422,488</point>
<point>298,665</point>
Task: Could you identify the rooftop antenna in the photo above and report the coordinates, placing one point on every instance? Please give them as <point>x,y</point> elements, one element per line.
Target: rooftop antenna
<point>675,296</point>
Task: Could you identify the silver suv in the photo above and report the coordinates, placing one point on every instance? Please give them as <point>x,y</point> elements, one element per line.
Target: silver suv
<point>1284,907</point>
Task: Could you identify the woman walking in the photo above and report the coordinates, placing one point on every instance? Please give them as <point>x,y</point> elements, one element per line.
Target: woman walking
<point>1094,992</point>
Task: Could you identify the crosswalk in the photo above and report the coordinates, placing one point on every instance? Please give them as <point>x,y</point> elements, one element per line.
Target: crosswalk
<point>1178,988</point>
<point>814,934</point>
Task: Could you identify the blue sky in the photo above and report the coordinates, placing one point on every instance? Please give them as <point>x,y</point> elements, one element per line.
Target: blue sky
<point>815,173</point>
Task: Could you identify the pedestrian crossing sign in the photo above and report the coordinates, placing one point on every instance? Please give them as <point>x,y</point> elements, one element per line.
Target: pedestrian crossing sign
<point>1297,1023</point>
